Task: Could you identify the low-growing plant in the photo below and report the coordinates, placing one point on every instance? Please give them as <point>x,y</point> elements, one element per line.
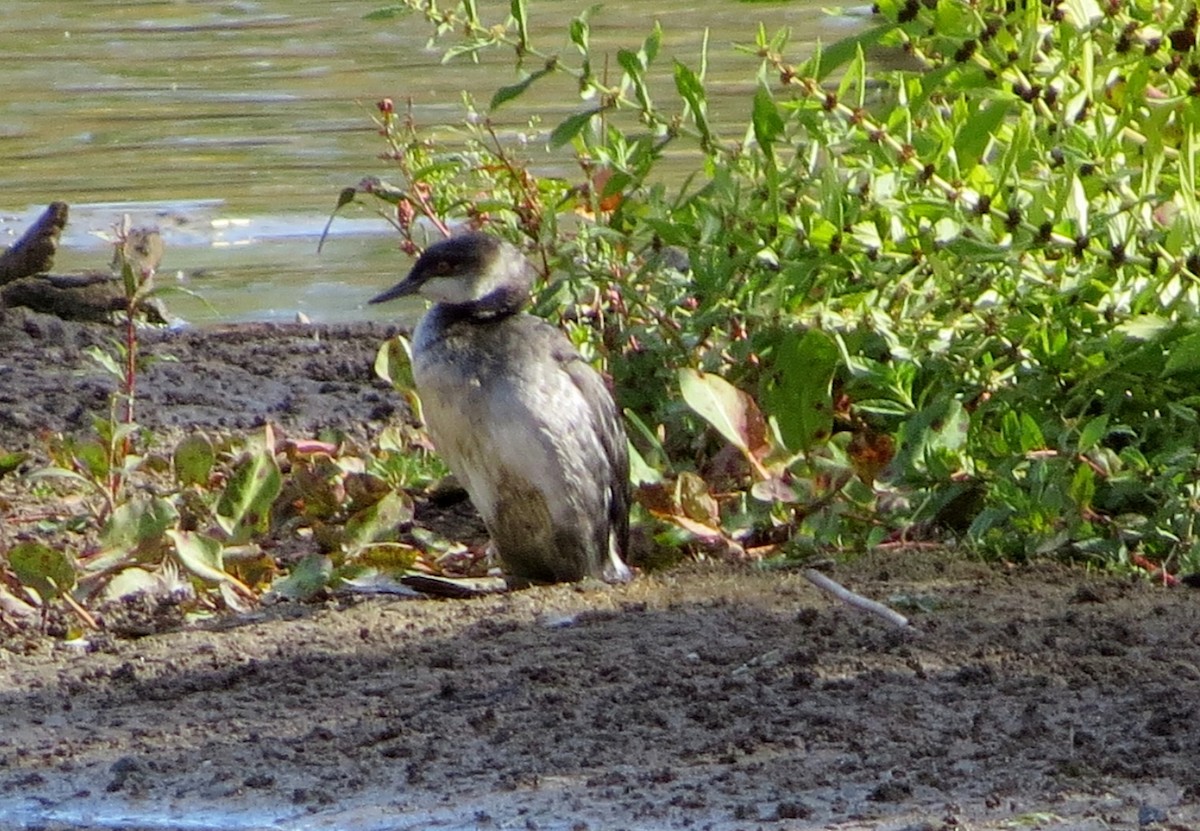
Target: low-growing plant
<point>193,526</point>
<point>958,300</point>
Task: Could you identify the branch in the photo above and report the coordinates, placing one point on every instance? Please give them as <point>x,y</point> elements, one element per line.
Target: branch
<point>857,600</point>
<point>33,253</point>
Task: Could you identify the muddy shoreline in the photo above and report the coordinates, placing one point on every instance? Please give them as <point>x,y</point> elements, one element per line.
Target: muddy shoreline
<point>303,378</point>
<point>703,698</point>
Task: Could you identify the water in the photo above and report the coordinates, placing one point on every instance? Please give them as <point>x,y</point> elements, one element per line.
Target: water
<point>461,807</point>
<point>253,115</point>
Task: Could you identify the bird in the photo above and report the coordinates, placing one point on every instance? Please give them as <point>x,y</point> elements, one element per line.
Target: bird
<point>527,425</point>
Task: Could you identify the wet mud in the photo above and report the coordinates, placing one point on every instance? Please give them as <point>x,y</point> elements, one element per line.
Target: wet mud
<point>701,698</point>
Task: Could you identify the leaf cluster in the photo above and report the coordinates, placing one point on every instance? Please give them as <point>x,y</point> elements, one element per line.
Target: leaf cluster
<point>206,523</point>
<point>958,301</point>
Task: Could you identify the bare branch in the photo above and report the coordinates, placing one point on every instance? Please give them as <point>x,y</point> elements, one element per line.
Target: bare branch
<point>857,600</point>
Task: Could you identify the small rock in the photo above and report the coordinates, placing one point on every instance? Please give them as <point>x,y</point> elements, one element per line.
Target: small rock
<point>122,770</point>
<point>792,810</point>
<point>1149,815</point>
<point>890,792</point>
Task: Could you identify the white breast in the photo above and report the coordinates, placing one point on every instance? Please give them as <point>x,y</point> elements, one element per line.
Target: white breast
<point>494,419</point>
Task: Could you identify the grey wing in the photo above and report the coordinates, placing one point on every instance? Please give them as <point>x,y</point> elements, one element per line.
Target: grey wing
<point>612,439</point>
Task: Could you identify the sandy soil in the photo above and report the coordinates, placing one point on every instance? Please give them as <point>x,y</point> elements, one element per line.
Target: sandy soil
<point>704,698</point>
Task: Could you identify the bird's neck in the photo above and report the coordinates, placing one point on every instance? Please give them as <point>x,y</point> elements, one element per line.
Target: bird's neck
<point>502,302</point>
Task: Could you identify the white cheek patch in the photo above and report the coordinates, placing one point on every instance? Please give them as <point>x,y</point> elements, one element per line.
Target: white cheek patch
<point>461,289</point>
<point>448,290</point>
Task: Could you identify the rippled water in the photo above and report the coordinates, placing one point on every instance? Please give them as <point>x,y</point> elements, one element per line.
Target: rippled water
<point>253,115</point>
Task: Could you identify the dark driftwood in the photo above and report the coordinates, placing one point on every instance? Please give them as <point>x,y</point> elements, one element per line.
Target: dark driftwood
<point>72,297</point>
<point>89,297</point>
<point>86,297</point>
<point>34,252</point>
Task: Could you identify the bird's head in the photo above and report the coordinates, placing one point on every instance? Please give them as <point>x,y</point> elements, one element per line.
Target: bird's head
<point>473,270</point>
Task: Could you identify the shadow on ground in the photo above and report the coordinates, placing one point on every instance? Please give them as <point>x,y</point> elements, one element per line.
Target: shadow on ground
<point>701,699</point>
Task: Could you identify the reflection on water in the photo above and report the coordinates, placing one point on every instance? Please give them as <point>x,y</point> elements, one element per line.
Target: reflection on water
<point>378,811</point>
<point>262,111</point>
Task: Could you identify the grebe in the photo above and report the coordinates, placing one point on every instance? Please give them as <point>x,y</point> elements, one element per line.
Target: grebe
<point>524,422</point>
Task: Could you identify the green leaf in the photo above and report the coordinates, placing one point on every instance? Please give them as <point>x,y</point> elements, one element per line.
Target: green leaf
<point>852,84</point>
<point>572,126</point>
<point>106,361</point>
<point>691,89</point>
<point>630,62</point>
<point>46,570</point>
<point>732,412</point>
<point>768,124</point>
<point>799,393</point>
<point>1144,327</point>
<point>193,460</point>
<point>1021,433</point>
<point>695,500</point>
<point>508,93</point>
<point>393,363</point>
<point>1082,14</point>
<point>1184,356</point>
<point>581,31</point>
<point>932,440</point>
<point>306,579</point>
<point>521,15</point>
<point>390,557</point>
<point>387,13</point>
<point>245,504</point>
<point>138,525</point>
<point>378,520</point>
<point>201,555</point>
<point>1092,433</point>
<point>654,445</point>
<point>1083,486</point>
<point>128,278</point>
<point>832,57</point>
<point>1077,206</point>
<point>987,519</point>
<point>11,461</point>
<point>131,581</point>
<point>977,132</point>
<point>652,43</point>
<point>640,471</point>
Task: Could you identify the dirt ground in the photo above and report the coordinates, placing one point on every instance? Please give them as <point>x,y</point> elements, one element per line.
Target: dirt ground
<point>703,698</point>
<point>303,378</point>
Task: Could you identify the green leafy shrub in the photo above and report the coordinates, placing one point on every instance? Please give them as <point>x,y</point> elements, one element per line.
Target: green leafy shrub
<point>962,297</point>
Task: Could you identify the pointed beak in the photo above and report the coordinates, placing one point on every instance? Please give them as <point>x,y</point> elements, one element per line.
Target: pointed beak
<point>404,287</point>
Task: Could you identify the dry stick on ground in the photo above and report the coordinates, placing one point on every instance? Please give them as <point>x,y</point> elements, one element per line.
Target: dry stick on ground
<point>856,600</point>
<point>81,612</point>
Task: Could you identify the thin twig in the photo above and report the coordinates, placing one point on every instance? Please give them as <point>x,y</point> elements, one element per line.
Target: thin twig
<point>857,600</point>
<point>81,612</point>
